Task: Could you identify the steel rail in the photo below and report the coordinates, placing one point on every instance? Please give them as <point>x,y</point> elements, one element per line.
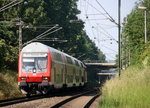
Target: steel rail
<point>70,99</point>
<point>91,101</point>
<point>12,101</point>
<point>19,100</point>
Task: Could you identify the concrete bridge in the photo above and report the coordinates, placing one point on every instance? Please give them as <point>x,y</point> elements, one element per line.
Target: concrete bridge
<point>107,65</point>
<point>102,67</point>
<point>101,64</point>
<point>99,71</point>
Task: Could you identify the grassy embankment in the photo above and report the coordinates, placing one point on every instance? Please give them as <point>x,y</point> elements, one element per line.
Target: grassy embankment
<point>8,85</point>
<point>132,90</point>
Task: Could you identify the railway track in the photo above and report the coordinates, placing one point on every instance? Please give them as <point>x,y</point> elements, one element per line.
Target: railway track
<point>87,105</point>
<point>75,95</point>
<point>19,100</point>
<point>63,104</point>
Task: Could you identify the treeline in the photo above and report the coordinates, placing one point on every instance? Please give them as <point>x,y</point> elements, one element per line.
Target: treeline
<point>134,48</point>
<point>37,13</point>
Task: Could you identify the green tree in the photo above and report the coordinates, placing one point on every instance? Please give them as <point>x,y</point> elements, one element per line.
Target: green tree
<point>133,33</point>
<point>45,12</point>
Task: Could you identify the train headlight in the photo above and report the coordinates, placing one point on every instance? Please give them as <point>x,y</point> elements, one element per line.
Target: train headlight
<point>45,78</point>
<point>23,78</point>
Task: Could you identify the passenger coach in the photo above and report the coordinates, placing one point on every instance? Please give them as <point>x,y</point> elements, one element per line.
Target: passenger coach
<point>43,69</point>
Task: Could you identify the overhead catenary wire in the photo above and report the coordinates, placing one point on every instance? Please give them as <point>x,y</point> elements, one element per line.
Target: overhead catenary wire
<point>97,12</point>
<point>109,38</point>
<point>107,15</point>
<point>11,4</point>
<point>91,28</point>
<point>44,34</point>
<point>41,26</point>
<point>107,33</point>
<point>86,7</point>
<point>14,21</point>
<point>88,20</point>
<point>53,40</point>
<point>107,25</point>
<point>109,48</point>
<point>8,4</point>
<point>110,56</point>
<point>111,18</point>
<point>104,14</point>
<point>41,37</point>
<point>105,39</point>
<point>97,19</point>
<point>110,53</point>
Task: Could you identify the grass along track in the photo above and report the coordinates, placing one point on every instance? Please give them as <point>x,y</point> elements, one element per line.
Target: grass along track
<point>132,90</point>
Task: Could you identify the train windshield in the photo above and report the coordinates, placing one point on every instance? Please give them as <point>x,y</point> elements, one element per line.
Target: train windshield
<point>34,64</point>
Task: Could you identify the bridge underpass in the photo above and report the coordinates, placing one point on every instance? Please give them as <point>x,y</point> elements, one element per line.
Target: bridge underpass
<point>98,72</point>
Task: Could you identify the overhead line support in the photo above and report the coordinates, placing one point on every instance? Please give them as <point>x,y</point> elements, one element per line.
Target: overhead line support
<point>119,37</point>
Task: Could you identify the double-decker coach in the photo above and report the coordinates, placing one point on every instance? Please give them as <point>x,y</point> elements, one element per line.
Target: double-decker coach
<point>43,69</point>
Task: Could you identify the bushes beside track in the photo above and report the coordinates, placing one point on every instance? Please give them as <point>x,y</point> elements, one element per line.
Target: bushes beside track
<point>8,85</point>
<point>132,90</point>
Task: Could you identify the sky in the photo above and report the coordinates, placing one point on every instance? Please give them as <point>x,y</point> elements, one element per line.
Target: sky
<point>98,25</point>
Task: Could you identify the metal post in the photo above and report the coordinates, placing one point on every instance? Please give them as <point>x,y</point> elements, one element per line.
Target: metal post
<point>119,36</point>
<point>126,55</point>
<point>129,61</point>
<point>20,34</point>
<point>145,27</point>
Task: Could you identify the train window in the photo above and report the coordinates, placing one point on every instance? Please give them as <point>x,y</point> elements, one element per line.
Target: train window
<point>76,62</point>
<point>58,57</point>
<point>79,64</point>
<point>82,65</point>
<point>34,64</point>
<point>42,62</point>
<point>53,55</point>
<point>69,60</point>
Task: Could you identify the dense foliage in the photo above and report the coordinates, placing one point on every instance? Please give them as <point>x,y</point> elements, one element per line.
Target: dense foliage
<point>134,48</point>
<point>45,12</point>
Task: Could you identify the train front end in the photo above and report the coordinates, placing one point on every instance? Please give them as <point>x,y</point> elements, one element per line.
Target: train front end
<point>34,69</point>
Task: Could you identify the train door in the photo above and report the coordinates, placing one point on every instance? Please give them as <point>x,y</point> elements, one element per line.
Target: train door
<point>53,69</point>
<point>59,69</point>
<point>77,73</point>
<point>69,66</point>
<point>82,73</point>
<point>65,75</point>
<point>74,75</point>
<point>64,70</point>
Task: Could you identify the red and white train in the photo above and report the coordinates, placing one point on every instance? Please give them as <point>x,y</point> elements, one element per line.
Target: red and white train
<point>43,69</point>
